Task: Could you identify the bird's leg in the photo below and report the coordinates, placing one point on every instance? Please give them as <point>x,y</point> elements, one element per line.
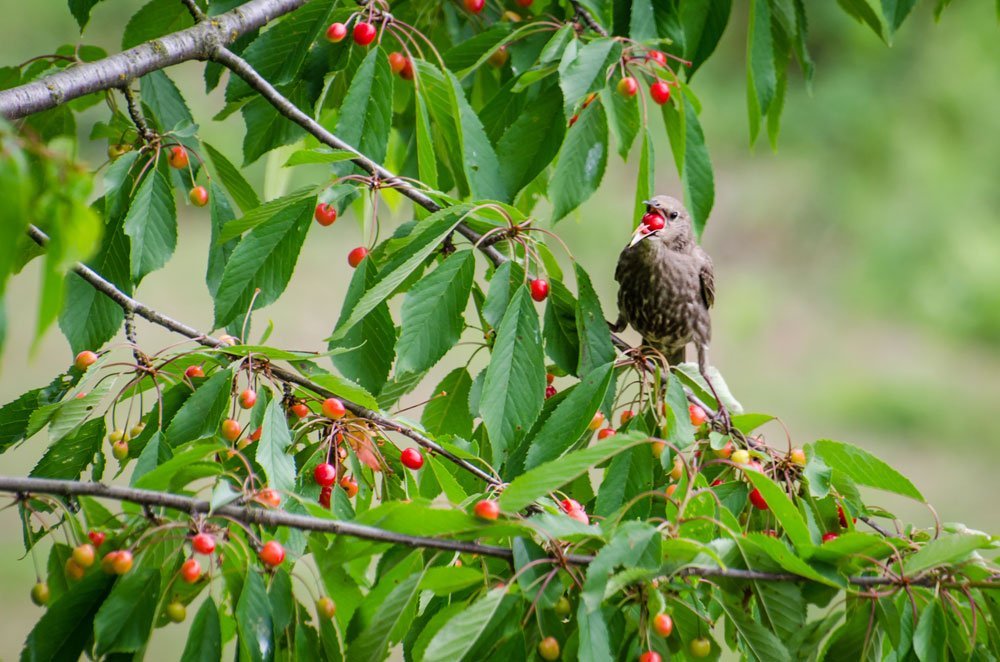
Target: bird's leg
<point>619,324</point>
<point>721,413</point>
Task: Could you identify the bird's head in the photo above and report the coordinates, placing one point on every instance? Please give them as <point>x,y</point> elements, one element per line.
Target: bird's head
<point>677,231</point>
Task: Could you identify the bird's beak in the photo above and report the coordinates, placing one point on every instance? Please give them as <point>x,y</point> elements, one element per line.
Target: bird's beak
<point>638,235</point>
<point>647,202</point>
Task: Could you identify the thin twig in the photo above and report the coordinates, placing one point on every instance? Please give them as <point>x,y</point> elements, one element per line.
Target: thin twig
<point>588,19</point>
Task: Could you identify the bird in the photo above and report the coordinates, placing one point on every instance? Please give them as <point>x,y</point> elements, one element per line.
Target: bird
<point>666,284</point>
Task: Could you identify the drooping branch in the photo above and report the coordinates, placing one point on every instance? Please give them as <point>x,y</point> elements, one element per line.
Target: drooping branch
<point>25,487</point>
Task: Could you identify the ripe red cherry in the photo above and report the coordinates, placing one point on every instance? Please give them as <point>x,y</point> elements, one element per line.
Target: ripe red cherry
<point>550,390</point>
<point>203,543</point>
<point>650,656</point>
<point>548,648</point>
<point>269,497</point>
<point>300,409</point>
<point>660,92</point>
<point>231,429</point>
<point>325,474</point>
<point>757,499</point>
<point>697,414</point>
<point>716,482</point>
<point>256,434</point>
<point>628,87</point>
<point>96,537</point>
<point>524,3</point>
<point>657,56</point>
<point>364,34</point>
<point>272,553</point>
<point>198,196</point>
<point>487,509</point>
<point>627,416</point>
<point>324,496</point>
<point>333,408</point>
<point>349,485</point>
<point>827,537</point>
<point>411,458</point>
<point>397,61</point>
<point>178,157</point>
<point>842,516</point>
<point>605,433</point>
<point>355,257</point>
<point>325,214</point>
<point>475,6</point>
<point>248,398</point>
<point>191,571</point>
<point>336,32</point>
<point>653,221</point>
<point>406,73</point>
<point>539,289</point>
<point>193,371</point>
<point>122,562</point>
<point>84,360</point>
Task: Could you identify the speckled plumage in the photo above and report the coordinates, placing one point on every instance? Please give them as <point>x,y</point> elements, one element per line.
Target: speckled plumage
<point>667,285</point>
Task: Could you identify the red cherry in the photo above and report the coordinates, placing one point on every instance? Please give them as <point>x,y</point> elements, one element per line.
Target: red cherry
<point>96,537</point>
<point>326,607</point>
<point>487,509</point>
<point>178,157</point>
<point>475,6</point>
<point>660,92</point>
<point>548,649</point>
<point>842,516</point>
<point>627,416</point>
<point>499,57</point>
<point>697,414</point>
<point>256,434</point>
<point>203,543</point>
<point>653,221</point>
<point>193,371</point>
<point>231,429</point>
<point>84,360</point>
<point>570,504</point>
<point>272,553</point>
<point>269,497</point>
<point>83,555</point>
<point>550,390</point>
<point>198,196</point>
<point>628,87</point>
<point>336,32</point>
<point>411,458</point>
<point>596,422</point>
<point>757,499</point>
<point>827,537</point>
<point>605,433</point>
<point>324,496</point>
<point>524,3</point>
<point>397,61</point>
<point>354,257</point>
<point>657,56</point>
<point>650,656</point>
<point>325,214</point>
<point>716,482</point>
<point>333,408</point>
<point>300,409</point>
<point>325,474</point>
<point>573,120</point>
<point>248,398</point>
<point>364,34</point>
<point>349,485</point>
<point>539,289</point>
<point>122,562</point>
<point>549,378</point>
<point>406,73</point>
<point>191,571</point>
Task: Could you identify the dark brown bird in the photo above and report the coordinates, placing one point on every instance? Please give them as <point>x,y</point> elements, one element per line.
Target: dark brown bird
<point>666,285</point>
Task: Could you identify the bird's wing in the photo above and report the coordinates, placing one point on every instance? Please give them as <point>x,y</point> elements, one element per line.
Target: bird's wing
<point>706,273</point>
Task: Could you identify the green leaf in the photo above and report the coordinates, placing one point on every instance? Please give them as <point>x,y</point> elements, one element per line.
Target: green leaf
<point>342,388</point>
<point>66,627</point>
<point>783,509</point>
<point>69,456</point>
<point>366,114</point>
<point>288,205</point>
<point>691,156</point>
<point>319,155</point>
<point>948,549</point>
<point>204,642</point>
<point>703,23</point>
<point>426,160</point>
<point>868,12</point>
<point>930,638</point>
<point>432,313</point>
<point>761,77</point>
<point>64,417</point>
<point>571,417</point>
<point>581,163</point>
<point>433,230</point>
<point>534,575</point>
<point>514,386</point>
<point>371,644</point>
<point>238,187</point>
<point>218,252</point>
<point>253,619</point>
<point>264,259</point>
<point>15,416</point>
<point>531,142</point>
<point>201,414</point>
<point>505,280</point>
<point>623,116</point>
<point>584,70</point>
<point>167,107</point>
<point>591,327</point>
<point>154,453</point>
<point>562,344</point>
<point>780,553</point>
<point>374,337</point>
<point>449,414</point>
<point>760,642</point>
<point>151,224</point>
<point>445,580</point>
<point>461,633</point>
<point>278,465</point>
<point>646,179</point>
<point>81,11</point>
<point>864,468</point>
<point>124,621</point>
<point>153,20</point>
<point>550,476</point>
<point>266,127</point>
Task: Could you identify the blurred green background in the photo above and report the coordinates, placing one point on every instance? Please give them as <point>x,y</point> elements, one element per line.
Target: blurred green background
<point>858,268</point>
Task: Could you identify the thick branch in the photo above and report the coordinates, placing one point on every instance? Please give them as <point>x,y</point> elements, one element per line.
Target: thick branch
<point>195,43</point>
<point>24,487</point>
<point>129,304</point>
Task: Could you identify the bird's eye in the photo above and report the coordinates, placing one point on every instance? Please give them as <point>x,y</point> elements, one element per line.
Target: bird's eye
<point>673,215</point>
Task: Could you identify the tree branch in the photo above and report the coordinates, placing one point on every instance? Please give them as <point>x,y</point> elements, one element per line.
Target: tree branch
<point>588,19</point>
<point>129,304</point>
<point>195,43</point>
<point>24,487</point>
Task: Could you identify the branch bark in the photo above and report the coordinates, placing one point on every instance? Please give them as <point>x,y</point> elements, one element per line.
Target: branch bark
<point>195,43</point>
